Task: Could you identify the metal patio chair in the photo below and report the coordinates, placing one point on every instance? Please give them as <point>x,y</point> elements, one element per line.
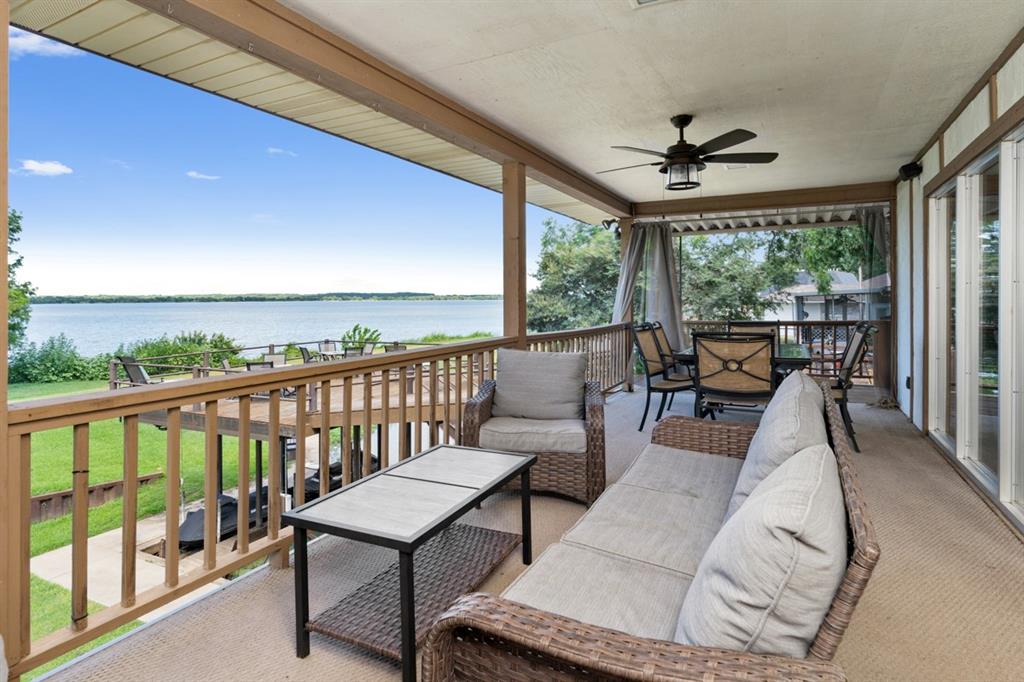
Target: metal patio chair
<point>853,356</point>
<point>732,369</point>
<point>137,374</point>
<point>657,367</point>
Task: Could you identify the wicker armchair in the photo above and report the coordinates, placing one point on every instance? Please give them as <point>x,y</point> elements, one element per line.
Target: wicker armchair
<point>579,476</point>
<point>485,637</point>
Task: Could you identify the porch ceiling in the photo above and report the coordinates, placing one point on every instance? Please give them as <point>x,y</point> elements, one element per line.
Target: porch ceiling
<point>137,36</point>
<point>846,92</point>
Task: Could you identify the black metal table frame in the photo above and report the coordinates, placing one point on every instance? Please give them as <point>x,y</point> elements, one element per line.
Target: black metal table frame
<point>405,546</point>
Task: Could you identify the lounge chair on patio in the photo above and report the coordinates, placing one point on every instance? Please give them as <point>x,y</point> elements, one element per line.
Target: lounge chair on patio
<point>727,551</point>
<point>137,374</point>
<point>541,403</point>
<point>732,369</point>
<point>853,355</point>
<point>307,355</point>
<point>658,365</point>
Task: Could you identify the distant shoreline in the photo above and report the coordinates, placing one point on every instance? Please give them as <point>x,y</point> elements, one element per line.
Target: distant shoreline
<point>262,298</point>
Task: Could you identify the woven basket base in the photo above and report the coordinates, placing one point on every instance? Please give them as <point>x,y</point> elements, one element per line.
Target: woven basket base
<point>446,567</point>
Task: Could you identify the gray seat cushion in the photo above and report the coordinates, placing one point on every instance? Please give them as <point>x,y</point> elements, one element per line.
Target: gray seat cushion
<point>768,578</point>
<point>537,385</point>
<point>667,530</point>
<point>685,472</point>
<point>534,435</point>
<point>601,589</point>
<point>792,421</point>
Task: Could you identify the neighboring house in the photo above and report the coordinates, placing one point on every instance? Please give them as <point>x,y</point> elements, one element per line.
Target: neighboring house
<point>851,298</point>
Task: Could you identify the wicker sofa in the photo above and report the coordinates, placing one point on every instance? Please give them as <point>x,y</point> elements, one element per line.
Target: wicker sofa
<point>563,620</point>
<point>570,452</point>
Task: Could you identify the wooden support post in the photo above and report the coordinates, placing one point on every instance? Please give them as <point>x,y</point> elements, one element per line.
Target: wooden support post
<point>513,189</point>
<point>80,527</point>
<point>129,508</point>
<point>14,473</point>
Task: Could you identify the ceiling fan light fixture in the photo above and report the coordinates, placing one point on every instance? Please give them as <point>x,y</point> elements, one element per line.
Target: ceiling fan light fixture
<point>681,176</point>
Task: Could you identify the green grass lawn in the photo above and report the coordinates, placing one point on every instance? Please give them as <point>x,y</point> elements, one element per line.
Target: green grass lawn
<point>16,392</point>
<point>51,611</point>
<point>51,470</point>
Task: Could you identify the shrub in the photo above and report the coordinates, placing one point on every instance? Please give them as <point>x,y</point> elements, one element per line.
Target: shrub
<point>359,335</point>
<point>191,343</point>
<point>56,359</point>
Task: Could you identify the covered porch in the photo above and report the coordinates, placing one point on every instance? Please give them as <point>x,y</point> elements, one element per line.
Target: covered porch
<point>946,600</point>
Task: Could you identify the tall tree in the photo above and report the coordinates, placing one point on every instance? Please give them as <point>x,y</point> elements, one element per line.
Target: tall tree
<point>722,278</point>
<point>18,293</point>
<point>577,273</point>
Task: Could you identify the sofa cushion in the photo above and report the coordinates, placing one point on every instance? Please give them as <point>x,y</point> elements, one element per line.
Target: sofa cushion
<point>792,421</point>
<point>602,589</point>
<point>768,578</point>
<point>537,385</point>
<point>685,472</point>
<point>667,530</point>
<point>534,435</point>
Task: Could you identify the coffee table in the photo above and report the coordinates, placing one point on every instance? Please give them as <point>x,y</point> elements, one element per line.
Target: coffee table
<point>407,506</point>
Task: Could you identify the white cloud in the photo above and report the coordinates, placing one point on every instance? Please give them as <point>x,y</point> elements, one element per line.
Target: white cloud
<point>22,43</point>
<point>47,168</point>
<point>277,151</point>
<point>196,175</point>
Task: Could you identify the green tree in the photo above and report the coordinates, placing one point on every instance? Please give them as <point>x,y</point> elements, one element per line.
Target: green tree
<point>576,274</point>
<point>19,294</point>
<point>723,278</point>
<point>818,251</point>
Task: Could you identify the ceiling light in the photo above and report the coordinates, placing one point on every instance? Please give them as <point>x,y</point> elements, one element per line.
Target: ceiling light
<point>679,176</point>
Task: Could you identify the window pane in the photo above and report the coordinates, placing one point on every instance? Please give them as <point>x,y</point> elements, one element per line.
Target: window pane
<point>951,329</point>
<point>988,319</point>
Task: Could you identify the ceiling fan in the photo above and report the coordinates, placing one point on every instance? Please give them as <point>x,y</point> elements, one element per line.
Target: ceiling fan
<point>682,162</point>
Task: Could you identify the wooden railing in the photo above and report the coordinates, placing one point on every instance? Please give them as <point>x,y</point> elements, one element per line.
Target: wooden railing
<point>826,340</point>
<point>422,392</point>
<point>609,349</point>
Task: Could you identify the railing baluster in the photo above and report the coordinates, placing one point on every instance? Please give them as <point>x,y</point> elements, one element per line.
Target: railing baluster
<point>346,431</point>
<point>367,467</point>
<point>243,474</point>
<point>403,416</point>
<point>384,456</point>
<point>129,508</point>
<point>433,403</point>
<point>458,400</point>
<point>274,459</point>
<point>15,547</point>
<point>300,445</point>
<point>325,437</point>
<point>80,528</point>
<point>172,497</point>
<point>211,503</point>
<point>479,371</point>
<point>447,383</point>
<point>418,398</point>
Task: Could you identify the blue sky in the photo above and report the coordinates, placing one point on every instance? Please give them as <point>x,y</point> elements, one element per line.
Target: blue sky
<point>131,183</point>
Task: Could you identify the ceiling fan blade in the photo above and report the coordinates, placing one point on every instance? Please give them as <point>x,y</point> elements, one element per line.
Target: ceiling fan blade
<point>733,137</point>
<point>610,170</point>
<point>749,157</point>
<point>642,151</point>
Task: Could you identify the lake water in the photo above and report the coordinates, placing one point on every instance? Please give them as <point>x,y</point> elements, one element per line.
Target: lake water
<point>101,327</point>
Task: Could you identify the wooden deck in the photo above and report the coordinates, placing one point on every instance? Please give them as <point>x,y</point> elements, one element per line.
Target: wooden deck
<point>383,405</point>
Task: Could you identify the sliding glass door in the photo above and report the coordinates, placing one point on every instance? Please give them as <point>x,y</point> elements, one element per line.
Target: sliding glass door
<point>976,329</point>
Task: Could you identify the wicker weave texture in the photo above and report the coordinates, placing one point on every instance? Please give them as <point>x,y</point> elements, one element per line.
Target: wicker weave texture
<point>575,475</point>
<point>483,637</point>
<point>451,564</point>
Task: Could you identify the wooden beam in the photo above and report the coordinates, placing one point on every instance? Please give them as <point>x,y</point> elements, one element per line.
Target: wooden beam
<point>281,36</point>
<point>978,86</point>
<point>14,483</point>
<point>513,189</point>
<point>1002,126</point>
<point>790,198</point>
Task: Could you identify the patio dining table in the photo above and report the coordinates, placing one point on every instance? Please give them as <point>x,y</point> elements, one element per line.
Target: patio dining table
<point>789,357</point>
